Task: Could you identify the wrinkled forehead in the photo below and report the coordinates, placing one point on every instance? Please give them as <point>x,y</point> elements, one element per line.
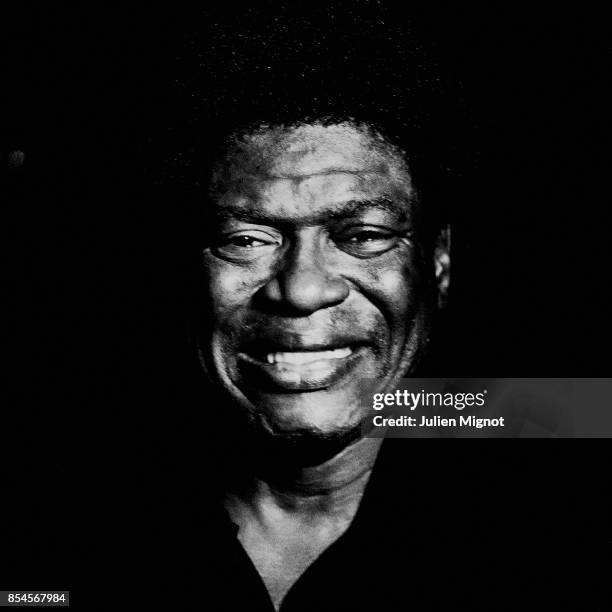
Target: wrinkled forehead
<point>308,150</point>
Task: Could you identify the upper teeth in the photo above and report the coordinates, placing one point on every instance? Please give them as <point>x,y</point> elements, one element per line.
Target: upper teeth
<point>307,356</point>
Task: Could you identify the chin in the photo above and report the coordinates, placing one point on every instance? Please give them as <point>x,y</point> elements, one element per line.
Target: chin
<point>308,414</point>
<point>302,439</point>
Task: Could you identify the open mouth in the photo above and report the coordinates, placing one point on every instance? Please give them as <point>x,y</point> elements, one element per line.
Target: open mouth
<point>309,368</point>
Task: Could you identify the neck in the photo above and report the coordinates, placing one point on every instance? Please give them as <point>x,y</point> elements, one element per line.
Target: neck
<point>326,486</point>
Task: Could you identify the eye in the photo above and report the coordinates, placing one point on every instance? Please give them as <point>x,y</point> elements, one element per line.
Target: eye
<point>367,241</point>
<point>245,245</point>
<point>246,242</point>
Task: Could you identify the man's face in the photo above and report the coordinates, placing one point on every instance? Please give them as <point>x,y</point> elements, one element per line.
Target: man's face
<point>314,276</point>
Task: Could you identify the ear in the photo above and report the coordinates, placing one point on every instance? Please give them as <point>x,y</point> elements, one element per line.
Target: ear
<point>442,264</point>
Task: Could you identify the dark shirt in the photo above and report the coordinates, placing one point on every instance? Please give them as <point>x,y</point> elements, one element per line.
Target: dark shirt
<point>442,525</point>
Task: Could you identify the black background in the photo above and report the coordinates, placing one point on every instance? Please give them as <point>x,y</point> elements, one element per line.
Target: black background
<point>95,290</point>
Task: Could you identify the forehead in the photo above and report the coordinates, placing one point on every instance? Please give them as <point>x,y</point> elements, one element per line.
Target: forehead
<point>310,166</point>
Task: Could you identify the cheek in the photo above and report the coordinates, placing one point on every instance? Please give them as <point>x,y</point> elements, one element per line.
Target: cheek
<point>229,287</point>
<point>392,286</point>
<point>396,291</point>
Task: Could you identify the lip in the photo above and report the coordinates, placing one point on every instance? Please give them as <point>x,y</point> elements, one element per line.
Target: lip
<point>310,375</point>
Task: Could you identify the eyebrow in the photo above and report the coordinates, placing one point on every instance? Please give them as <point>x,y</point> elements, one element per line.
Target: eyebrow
<point>339,212</point>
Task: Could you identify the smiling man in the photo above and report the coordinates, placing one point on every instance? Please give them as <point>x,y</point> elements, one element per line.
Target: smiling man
<point>317,164</point>
<point>317,276</point>
<point>312,152</point>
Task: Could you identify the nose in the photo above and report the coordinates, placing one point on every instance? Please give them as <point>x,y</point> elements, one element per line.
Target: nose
<point>304,283</point>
